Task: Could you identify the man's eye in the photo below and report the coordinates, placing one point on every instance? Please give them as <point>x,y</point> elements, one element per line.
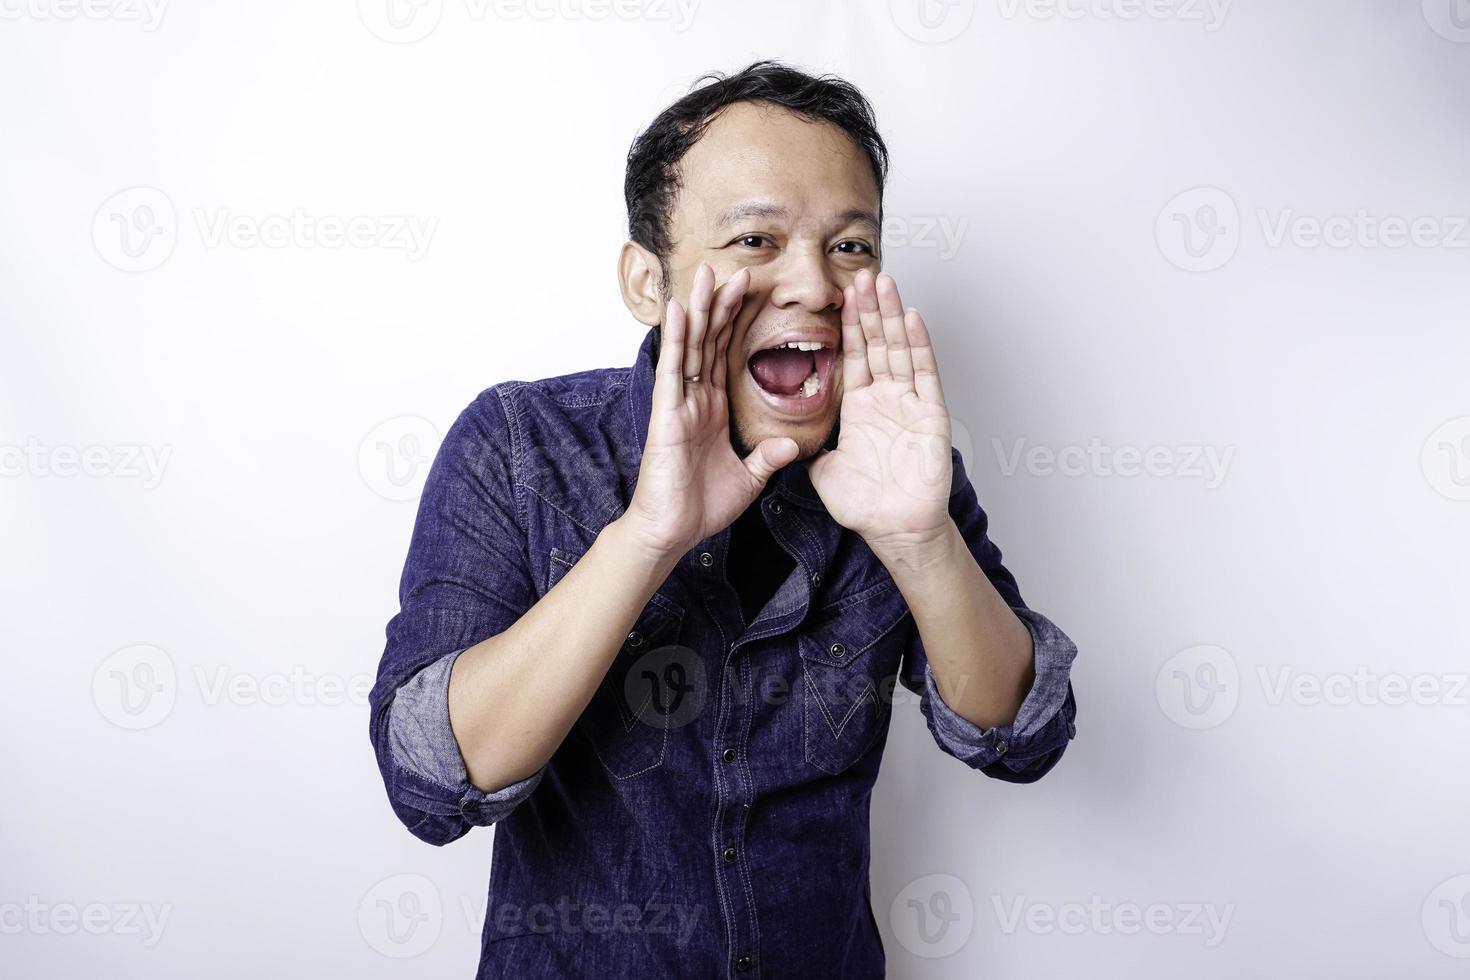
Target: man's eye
<point>854,248</point>
<point>752,241</point>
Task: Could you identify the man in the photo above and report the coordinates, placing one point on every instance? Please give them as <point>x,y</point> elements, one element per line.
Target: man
<point>652,617</point>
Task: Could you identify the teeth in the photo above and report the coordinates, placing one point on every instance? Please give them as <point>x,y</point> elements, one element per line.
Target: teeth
<point>804,345</point>
<point>809,386</point>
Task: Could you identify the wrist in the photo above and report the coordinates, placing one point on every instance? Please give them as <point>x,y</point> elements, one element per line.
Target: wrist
<point>639,551</point>
<point>916,553</point>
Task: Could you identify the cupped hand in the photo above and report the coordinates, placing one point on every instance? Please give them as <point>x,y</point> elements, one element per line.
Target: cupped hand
<point>691,483</point>
<point>889,478</point>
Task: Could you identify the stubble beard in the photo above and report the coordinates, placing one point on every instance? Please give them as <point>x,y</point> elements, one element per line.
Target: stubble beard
<point>744,441</point>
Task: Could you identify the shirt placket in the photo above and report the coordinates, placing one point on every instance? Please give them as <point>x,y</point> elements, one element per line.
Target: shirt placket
<point>737,705</point>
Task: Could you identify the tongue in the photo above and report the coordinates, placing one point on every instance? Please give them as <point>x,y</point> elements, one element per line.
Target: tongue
<point>782,370</point>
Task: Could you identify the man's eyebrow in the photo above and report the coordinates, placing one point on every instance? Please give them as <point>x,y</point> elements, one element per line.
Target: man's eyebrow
<point>739,212</point>
<point>859,216</point>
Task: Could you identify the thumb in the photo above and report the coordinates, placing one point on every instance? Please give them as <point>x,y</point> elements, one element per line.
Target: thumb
<point>770,456</point>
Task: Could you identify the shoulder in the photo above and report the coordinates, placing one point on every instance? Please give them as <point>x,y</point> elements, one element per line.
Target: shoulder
<point>566,440</point>
<point>510,413</point>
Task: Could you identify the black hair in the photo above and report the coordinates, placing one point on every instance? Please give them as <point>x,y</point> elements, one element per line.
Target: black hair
<point>651,182</point>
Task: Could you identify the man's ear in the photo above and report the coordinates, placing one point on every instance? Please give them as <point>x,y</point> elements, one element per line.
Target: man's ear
<point>638,278</point>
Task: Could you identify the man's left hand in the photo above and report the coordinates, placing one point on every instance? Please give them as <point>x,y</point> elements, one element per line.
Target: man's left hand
<point>889,479</point>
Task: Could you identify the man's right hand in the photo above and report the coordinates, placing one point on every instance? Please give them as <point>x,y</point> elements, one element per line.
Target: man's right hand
<point>691,483</point>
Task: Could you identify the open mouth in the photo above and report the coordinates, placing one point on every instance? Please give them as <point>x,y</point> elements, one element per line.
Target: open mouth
<point>795,376</point>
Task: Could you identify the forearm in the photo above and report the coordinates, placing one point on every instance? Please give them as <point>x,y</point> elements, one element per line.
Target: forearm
<point>514,696</point>
<point>980,653</point>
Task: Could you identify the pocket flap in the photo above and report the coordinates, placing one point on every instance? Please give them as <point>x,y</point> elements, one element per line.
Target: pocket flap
<point>845,629</point>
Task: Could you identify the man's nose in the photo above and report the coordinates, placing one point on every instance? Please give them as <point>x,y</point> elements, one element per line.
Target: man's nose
<point>804,279</point>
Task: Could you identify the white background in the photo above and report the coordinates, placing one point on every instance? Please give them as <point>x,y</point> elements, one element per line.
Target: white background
<point>290,395</point>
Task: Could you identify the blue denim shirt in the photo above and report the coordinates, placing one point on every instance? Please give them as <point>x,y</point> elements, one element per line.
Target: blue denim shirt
<point>708,813</point>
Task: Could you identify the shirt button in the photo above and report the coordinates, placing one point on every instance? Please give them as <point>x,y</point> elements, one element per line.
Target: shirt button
<point>743,964</point>
<point>635,639</point>
<point>706,559</point>
<point>838,649</point>
<point>775,507</point>
<point>1000,746</point>
<point>816,578</point>
<point>729,855</point>
<point>728,755</point>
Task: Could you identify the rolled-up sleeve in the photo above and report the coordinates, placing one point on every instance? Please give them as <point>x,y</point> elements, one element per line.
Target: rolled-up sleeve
<point>423,743</point>
<point>466,578</point>
<point>1024,750</point>
<point>1033,743</point>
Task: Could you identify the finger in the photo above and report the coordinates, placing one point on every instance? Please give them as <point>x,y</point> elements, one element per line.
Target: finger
<point>854,345</point>
<point>719,373</point>
<point>768,457</point>
<point>728,299</point>
<point>872,323</point>
<point>890,309</point>
<point>926,365</point>
<point>668,380</point>
<point>700,297</point>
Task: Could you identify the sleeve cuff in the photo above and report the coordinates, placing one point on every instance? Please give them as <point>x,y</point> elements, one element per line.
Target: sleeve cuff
<point>423,743</point>
<point>1053,653</point>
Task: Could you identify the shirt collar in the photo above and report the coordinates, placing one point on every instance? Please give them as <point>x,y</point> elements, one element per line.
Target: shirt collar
<point>792,481</point>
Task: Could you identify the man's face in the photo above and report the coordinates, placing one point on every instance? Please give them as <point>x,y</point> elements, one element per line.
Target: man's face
<point>796,203</point>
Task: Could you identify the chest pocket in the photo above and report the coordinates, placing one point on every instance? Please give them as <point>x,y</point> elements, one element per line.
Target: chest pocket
<point>850,657</point>
<point>653,686</point>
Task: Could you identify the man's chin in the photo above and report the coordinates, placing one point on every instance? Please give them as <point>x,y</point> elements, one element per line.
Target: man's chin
<point>811,438</point>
